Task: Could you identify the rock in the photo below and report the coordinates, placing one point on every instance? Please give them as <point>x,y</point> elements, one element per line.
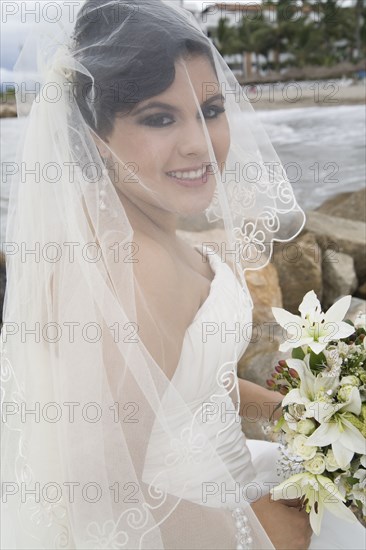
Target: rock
<point>8,110</point>
<point>351,206</point>
<point>260,356</point>
<point>339,276</point>
<point>361,291</point>
<point>341,235</point>
<point>262,352</point>
<point>266,293</point>
<point>299,269</point>
<point>265,290</point>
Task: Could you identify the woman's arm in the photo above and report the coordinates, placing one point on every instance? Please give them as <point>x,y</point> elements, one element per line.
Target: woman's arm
<point>258,403</point>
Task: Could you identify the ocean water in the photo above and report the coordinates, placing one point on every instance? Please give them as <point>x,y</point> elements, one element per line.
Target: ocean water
<point>322,149</point>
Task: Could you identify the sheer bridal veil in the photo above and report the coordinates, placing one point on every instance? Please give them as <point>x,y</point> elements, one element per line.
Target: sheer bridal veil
<point>135,118</point>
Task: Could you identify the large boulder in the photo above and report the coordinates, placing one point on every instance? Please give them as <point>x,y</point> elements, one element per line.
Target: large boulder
<point>339,277</point>
<point>341,235</point>
<point>350,205</point>
<point>298,265</point>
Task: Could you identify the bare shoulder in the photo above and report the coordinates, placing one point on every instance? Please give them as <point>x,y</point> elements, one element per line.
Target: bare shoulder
<point>154,267</point>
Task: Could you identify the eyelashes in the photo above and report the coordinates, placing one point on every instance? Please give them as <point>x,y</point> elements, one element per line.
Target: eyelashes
<point>157,121</point>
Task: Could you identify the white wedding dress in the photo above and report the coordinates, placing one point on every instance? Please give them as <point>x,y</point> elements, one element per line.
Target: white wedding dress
<point>248,466</point>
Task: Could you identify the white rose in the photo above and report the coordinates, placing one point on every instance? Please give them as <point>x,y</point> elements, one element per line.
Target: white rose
<point>330,462</point>
<point>315,465</point>
<point>306,426</point>
<point>344,392</point>
<point>301,449</point>
<point>350,380</point>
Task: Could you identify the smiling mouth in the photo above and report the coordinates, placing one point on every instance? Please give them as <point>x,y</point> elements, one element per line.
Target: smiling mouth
<point>190,175</point>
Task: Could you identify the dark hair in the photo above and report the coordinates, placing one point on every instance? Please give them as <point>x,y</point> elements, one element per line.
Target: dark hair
<point>130,49</point>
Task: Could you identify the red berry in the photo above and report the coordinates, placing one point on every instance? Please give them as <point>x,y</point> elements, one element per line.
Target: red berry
<point>293,373</point>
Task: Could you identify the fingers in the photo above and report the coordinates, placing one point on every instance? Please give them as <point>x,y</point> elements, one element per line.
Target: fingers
<point>299,503</point>
<point>291,502</point>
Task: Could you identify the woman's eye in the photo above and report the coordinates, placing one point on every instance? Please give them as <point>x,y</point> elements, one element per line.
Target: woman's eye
<point>157,121</point>
<point>215,109</point>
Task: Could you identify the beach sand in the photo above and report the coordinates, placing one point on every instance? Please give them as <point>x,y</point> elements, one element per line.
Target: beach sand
<point>317,94</point>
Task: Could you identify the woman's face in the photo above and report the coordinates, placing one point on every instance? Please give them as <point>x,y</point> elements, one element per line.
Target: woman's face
<point>165,146</point>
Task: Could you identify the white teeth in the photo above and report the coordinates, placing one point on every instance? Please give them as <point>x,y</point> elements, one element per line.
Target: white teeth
<point>192,175</point>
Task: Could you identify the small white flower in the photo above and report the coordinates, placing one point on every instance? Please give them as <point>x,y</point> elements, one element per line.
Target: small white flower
<point>306,427</point>
<point>315,465</point>
<point>350,380</point>
<point>334,361</point>
<point>302,449</point>
<point>345,392</point>
<point>343,349</point>
<point>314,328</point>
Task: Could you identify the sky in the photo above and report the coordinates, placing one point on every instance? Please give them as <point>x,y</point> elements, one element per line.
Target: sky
<point>16,22</point>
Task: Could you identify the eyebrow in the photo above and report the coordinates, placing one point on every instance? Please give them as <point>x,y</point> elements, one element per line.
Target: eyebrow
<point>160,105</point>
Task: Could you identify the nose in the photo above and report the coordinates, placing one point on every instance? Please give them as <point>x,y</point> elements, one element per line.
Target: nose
<point>192,140</point>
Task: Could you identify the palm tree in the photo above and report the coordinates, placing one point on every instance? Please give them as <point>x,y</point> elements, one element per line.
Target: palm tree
<point>225,38</point>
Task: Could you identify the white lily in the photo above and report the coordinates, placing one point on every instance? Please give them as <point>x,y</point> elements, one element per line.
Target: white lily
<point>314,328</point>
<point>315,394</point>
<point>320,493</point>
<point>344,437</point>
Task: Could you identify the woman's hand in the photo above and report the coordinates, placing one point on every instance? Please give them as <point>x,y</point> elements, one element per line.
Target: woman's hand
<point>266,401</point>
<point>285,523</point>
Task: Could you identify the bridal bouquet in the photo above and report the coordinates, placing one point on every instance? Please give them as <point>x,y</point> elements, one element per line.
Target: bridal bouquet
<point>322,429</point>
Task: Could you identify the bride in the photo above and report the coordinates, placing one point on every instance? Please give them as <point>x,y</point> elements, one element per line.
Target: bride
<point>120,399</point>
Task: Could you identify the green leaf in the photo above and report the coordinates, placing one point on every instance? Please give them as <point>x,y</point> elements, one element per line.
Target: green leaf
<point>279,424</point>
<point>298,353</point>
<point>317,360</point>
